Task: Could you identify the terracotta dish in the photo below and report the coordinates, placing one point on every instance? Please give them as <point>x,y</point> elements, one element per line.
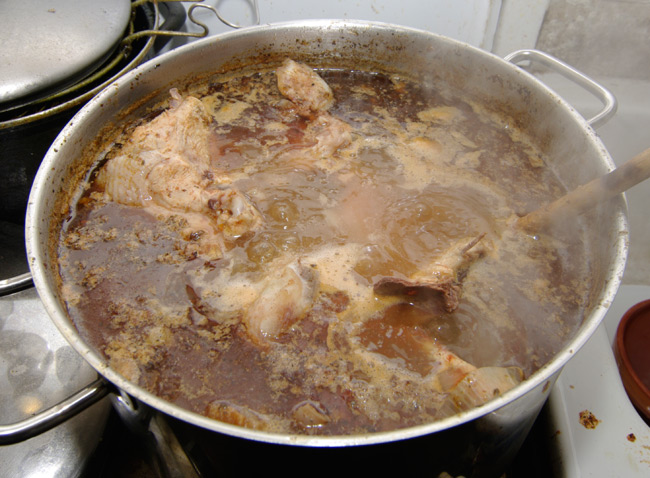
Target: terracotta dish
<point>633,355</point>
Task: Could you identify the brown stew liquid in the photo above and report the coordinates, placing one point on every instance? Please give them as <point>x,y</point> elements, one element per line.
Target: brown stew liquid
<point>424,169</point>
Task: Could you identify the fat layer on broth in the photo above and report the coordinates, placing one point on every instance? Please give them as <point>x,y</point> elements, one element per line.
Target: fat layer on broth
<point>275,324</point>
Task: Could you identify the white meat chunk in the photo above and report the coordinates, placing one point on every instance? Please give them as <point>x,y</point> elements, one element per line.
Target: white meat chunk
<point>481,385</point>
<point>238,415</point>
<point>234,213</point>
<point>287,294</point>
<point>175,184</point>
<point>174,145</point>
<point>449,368</point>
<point>310,415</point>
<point>181,130</point>
<point>330,134</point>
<point>466,385</point>
<point>307,91</point>
<point>324,136</point>
<point>398,336</point>
<point>165,166</point>
<point>312,97</point>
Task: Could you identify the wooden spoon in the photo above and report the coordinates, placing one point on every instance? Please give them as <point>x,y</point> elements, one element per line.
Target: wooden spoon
<point>589,195</point>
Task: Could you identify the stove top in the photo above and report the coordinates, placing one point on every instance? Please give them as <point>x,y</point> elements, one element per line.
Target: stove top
<point>619,443</point>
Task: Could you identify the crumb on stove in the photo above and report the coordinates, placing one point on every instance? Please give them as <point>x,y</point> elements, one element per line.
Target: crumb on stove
<point>588,420</point>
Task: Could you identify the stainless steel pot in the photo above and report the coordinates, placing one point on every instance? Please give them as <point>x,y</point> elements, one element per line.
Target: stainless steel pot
<point>478,442</point>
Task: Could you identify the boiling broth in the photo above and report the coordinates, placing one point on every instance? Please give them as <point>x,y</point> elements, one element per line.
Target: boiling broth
<point>424,169</point>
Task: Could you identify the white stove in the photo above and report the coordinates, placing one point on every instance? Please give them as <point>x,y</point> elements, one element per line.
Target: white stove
<point>619,446</point>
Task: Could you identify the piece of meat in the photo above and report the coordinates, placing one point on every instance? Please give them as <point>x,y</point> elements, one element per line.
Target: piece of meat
<point>237,415</point>
<point>182,129</point>
<point>481,385</point>
<point>324,136</point>
<point>173,183</point>
<point>234,213</point>
<point>444,274</point>
<point>309,415</point>
<point>165,166</point>
<point>330,134</point>
<point>174,145</point>
<point>287,294</point>
<point>311,97</point>
<point>399,336</point>
<point>306,90</point>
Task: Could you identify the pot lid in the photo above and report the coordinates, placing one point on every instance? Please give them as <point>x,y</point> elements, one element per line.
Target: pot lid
<point>52,43</point>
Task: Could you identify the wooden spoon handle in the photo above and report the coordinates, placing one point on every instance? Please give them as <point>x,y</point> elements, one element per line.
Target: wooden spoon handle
<point>589,195</point>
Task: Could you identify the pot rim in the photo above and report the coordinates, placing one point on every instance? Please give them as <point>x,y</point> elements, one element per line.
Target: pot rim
<point>37,256</point>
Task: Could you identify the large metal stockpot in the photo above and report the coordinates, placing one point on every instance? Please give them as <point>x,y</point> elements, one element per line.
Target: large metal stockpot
<point>479,442</point>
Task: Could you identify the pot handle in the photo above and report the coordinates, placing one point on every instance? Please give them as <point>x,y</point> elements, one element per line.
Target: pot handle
<point>215,10</point>
<point>603,94</point>
<point>14,283</point>
<point>190,14</point>
<point>166,453</point>
<point>51,417</point>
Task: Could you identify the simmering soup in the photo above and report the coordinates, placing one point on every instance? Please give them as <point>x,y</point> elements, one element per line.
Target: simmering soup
<point>326,254</point>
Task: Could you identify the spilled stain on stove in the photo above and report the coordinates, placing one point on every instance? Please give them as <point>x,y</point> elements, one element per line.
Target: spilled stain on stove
<point>588,420</point>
